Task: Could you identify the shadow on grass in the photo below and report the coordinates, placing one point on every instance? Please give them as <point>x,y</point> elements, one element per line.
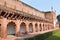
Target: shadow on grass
<point>53,38</point>
<point>38,37</point>
<point>50,38</point>
<point>19,39</point>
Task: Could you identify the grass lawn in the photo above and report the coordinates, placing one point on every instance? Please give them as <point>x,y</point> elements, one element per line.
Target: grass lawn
<point>55,36</point>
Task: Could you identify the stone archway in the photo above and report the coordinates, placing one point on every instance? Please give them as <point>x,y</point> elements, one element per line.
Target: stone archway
<point>59,25</point>
<point>30,28</point>
<point>11,28</point>
<point>36,27</point>
<point>43,27</point>
<point>0,29</point>
<point>40,27</point>
<point>22,28</point>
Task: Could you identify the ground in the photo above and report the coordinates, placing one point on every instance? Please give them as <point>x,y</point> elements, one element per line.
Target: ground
<point>55,36</point>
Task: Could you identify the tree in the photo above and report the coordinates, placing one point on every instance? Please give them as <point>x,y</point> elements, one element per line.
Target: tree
<point>58,18</point>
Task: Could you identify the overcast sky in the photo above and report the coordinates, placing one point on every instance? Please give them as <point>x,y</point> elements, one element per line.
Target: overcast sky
<point>44,5</point>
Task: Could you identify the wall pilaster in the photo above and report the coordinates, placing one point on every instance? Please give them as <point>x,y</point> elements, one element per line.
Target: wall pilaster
<point>4,28</point>
<point>27,27</point>
<point>33,28</point>
<point>17,28</point>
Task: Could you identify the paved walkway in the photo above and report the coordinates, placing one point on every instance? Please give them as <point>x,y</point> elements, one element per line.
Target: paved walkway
<point>11,37</point>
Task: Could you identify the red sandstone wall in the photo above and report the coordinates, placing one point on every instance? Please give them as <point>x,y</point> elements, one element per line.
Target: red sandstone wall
<point>51,16</point>
<point>22,7</point>
<point>57,25</point>
<point>48,16</point>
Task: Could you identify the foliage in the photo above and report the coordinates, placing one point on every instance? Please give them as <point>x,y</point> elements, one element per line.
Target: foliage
<point>58,17</point>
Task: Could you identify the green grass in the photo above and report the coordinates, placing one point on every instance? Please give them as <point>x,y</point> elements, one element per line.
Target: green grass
<point>55,36</point>
<point>41,36</point>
